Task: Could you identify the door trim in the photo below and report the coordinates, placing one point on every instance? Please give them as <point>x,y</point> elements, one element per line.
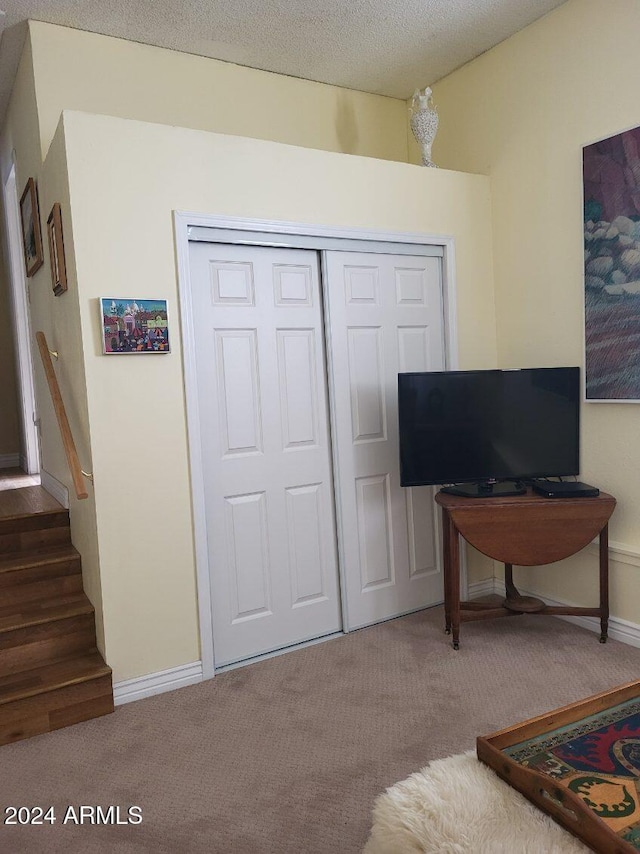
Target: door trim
<point>184,222</point>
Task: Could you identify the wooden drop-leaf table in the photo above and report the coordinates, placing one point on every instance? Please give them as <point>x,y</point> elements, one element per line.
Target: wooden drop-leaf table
<point>521,530</point>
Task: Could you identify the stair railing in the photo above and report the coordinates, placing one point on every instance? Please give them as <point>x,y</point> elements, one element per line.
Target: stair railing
<point>69,445</point>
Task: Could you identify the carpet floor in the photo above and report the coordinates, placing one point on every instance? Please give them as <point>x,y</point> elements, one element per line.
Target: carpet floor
<point>287,756</point>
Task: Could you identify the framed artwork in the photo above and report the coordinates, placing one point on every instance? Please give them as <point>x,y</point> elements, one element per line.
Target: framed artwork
<point>31,234</point>
<point>611,180</point>
<point>56,251</point>
<point>134,325</point>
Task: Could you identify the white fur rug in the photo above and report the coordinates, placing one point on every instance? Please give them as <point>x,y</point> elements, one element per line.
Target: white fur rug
<point>459,806</point>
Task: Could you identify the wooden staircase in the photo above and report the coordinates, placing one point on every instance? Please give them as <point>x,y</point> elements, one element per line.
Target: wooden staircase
<point>51,673</point>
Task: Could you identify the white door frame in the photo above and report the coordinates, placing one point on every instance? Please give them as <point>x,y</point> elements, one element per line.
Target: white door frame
<point>239,231</point>
<point>21,322</point>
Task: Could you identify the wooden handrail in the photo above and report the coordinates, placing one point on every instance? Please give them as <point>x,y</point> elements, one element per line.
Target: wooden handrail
<point>61,414</point>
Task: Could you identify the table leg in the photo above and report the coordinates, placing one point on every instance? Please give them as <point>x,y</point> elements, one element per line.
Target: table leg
<point>454,584</point>
<point>509,587</point>
<point>604,583</point>
<point>446,566</point>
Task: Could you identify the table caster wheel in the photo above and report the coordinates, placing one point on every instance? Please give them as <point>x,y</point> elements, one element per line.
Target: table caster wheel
<point>603,638</point>
<point>447,630</point>
<point>456,645</point>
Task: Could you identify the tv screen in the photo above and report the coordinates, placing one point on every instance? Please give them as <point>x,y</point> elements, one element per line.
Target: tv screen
<point>466,426</point>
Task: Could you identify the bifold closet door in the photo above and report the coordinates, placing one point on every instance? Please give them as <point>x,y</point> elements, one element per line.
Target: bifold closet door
<point>385,316</point>
<point>266,454</point>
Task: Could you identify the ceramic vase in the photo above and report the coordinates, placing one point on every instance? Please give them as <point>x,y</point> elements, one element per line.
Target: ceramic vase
<point>424,123</point>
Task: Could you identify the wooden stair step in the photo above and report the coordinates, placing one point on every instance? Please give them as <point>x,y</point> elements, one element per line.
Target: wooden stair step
<point>28,501</point>
<point>34,537</point>
<point>51,674</point>
<point>59,694</point>
<point>35,646</point>
<point>50,677</point>
<point>53,558</point>
<point>31,520</point>
<point>40,521</point>
<point>47,575</point>
<point>56,709</point>
<point>43,611</point>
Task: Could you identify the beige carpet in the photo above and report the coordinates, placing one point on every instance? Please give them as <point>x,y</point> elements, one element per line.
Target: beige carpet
<point>287,756</point>
<point>459,806</point>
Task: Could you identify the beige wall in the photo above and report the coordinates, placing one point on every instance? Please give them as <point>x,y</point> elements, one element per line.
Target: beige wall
<point>84,71</point>
<point>21,130</point>
<point>20,133</point>
<point>521,114</point>
<point>9,413</point>
<point>57,317</point>
<point>126,178</point>
<point>19,144</point>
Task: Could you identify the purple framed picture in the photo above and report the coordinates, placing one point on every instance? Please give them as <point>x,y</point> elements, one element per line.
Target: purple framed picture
<point>611,178</point>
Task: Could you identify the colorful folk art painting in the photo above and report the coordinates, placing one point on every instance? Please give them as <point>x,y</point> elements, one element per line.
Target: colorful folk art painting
<point>611,174</point>
<point>598,759</point>
<point>134,326</point>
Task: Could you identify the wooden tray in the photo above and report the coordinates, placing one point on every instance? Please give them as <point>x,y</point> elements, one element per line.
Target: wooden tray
<point>581,765</point>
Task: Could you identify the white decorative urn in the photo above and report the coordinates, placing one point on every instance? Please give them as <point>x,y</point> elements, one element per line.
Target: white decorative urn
<point>424,123</point>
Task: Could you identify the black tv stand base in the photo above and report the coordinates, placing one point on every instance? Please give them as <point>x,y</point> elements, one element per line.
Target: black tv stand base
<point>487,489</point>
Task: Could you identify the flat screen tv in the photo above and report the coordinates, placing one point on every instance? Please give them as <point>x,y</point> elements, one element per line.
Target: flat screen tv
<point>486,428</point>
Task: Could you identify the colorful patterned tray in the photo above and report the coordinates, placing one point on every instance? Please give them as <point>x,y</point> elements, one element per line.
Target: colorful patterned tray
<point>580,764</point>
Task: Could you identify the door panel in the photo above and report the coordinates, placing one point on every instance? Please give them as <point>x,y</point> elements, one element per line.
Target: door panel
<point>368,410</point>
<point>375,535</point>
<point>385,316</point>
<point>266,452</point>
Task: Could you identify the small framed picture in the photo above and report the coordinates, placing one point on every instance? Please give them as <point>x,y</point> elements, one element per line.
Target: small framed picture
<point>134,325</point>
<point>31,234</point>
<point>56,251</point>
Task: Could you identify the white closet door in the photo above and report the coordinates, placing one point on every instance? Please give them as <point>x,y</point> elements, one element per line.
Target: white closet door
<point>266,453</point>
<point>385,316</point>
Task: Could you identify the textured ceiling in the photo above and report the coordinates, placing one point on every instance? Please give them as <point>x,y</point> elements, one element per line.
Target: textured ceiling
<point>388,47</point>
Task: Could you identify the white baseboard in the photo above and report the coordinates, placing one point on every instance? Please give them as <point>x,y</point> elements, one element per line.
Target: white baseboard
<point>157,683</point>
<point>53,486</point>
<point>482,588</point>
<point>619,629</point>
<point>9,461</point>
<point>618,552</point>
